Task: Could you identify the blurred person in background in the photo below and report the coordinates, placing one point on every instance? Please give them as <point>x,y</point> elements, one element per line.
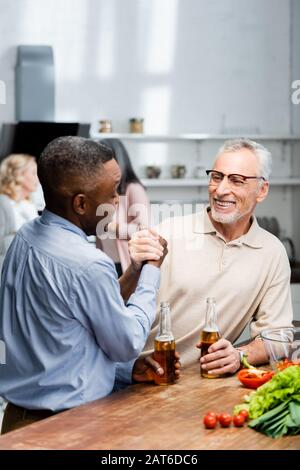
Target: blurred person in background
<point>18,180</point>
<point>133,210</point>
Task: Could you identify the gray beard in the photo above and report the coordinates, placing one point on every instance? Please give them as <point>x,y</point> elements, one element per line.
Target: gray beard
<point>225,218</point>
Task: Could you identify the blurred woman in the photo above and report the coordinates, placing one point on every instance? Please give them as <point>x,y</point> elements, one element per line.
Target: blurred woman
<point>18,179</point>
<point>133,210</point>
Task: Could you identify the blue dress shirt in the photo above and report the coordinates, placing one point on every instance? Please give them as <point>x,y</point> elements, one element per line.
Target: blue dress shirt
<point>62,317</point>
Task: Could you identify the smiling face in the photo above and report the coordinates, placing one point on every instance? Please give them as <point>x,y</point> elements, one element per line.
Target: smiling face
<point>232,205</point>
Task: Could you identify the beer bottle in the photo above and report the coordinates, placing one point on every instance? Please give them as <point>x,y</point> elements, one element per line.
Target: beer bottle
<point>210,333</point>
<point>164,347</point>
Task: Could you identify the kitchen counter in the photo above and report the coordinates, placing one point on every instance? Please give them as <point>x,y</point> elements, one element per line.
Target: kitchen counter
<point>150,417</point>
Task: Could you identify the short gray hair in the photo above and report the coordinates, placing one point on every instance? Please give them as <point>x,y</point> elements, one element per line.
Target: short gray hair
<point>263,155</point>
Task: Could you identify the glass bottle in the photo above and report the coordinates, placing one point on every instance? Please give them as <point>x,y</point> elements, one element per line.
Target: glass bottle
<point>164,347</point>
<point>210,333</point>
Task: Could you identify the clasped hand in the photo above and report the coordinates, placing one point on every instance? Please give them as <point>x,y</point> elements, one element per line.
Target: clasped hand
<point>147,245</point>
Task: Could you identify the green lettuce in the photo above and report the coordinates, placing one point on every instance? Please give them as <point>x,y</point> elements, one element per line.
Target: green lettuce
<point>283,387</point>
<point>274,408</point>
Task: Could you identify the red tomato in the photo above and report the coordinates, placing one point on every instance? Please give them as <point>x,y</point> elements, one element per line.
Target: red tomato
<point>210,421</point>
<point>285,363</point>
<point>244,413</point>
<point>252,379</point>
<point>225,420</point>
<point>212,413</point>
<point>238,420</point>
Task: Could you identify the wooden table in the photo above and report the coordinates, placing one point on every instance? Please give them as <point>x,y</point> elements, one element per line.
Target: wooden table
<point>150,417</point>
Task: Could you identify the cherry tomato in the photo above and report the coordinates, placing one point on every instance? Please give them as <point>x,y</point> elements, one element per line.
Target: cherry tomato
<point>245,414</point>
<point>225,420</point>
<point>210,422</point>
<point>212,413</point>
<point>238,420</point>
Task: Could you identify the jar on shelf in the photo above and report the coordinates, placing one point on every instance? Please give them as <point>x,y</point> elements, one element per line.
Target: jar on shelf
<point>105,126</point>
<point>152,171</point>
<point>178,171</point>
<point>136,125</point>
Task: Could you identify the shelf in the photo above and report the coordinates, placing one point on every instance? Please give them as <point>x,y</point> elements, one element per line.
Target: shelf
<point>285,182</point>
<point>192,182</point>
<point>186,137</point>
<point>153,182</point>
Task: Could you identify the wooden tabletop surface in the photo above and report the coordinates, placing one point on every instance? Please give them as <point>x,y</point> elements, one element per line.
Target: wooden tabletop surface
<point>150,417</point>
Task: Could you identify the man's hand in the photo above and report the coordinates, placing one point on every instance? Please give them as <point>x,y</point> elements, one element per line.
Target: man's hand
<point>145,368</point>
<point>222,358</point>
<point>147,245</point>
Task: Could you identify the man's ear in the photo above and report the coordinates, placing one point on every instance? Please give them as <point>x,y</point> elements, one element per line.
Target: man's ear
<point>263,191</point>
<point>79,204</point>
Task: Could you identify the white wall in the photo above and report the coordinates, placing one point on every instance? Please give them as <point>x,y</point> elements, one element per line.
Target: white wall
<point>184,65</point>
<point>220,66</point>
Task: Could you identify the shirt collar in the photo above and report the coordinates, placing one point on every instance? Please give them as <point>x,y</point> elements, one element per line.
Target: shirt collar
<point>252,238</point>
<point>49,218</point>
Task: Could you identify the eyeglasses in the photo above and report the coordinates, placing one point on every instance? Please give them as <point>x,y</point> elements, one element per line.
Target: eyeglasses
<point>235,181</point>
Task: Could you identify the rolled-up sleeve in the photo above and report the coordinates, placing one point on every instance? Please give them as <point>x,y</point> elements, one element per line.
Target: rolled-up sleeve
<point>123,375</point>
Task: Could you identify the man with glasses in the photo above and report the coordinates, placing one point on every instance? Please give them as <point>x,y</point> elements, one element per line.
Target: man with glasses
<point>222,252</point>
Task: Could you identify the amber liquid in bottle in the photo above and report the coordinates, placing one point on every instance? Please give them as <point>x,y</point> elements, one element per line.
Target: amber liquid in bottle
<point>164,353</point>
<point>207,339</point>
<point>209,335</point>
<point>164,347</point>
